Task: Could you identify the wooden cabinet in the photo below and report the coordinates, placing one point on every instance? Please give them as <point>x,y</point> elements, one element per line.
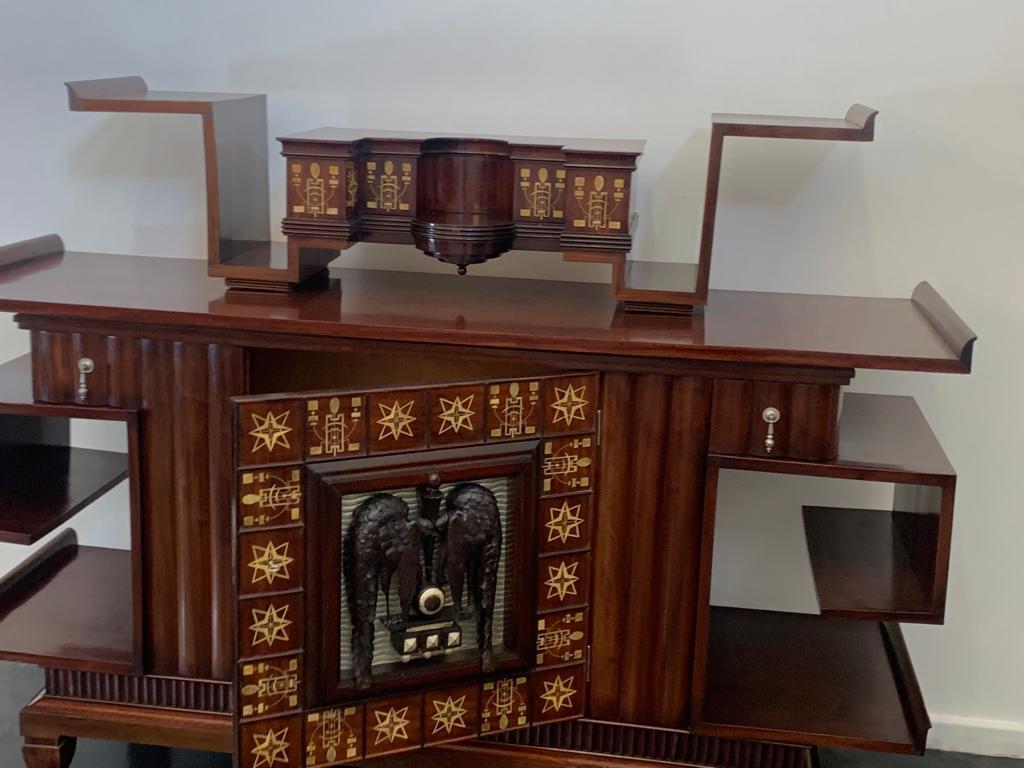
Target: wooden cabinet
<point>270,435</point>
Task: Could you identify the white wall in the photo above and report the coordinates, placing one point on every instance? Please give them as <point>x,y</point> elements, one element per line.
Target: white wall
<point>939,196</point>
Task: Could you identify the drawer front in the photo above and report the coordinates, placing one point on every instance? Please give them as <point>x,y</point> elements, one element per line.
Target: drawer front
<point>775,419</point>
<point>81,369</point>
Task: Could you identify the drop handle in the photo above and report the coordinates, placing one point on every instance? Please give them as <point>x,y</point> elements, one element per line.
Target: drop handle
<point>85,367</point>
<point>771,417</point>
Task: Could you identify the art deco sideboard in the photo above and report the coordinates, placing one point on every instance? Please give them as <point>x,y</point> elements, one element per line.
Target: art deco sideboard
<point>468,516</point>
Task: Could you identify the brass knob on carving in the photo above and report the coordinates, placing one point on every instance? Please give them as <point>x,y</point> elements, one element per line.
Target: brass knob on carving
<point>85,367</point>
<point>770,416</point>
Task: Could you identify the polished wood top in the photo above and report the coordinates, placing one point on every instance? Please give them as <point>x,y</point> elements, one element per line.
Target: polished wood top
<point>329,135</point>
<point>498,313</point>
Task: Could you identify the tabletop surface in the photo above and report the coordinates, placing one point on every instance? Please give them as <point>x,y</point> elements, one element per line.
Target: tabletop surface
<point>771,328</point>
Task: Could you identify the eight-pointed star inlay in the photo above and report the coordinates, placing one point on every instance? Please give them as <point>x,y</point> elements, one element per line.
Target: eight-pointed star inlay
<point>270,431</point>
<point>395,419</point>
<point>457,414</point>
<point>270,562</point>
<point>449,714</point>
<point>271,748</point>
<point>564,522</point>
<point>391,725</point>
<point>270,625</point>
<point>558,693</point>
<point>571,404</point>
<point>562,580</point>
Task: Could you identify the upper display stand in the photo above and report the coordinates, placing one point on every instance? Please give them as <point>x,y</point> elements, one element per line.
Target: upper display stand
<point>461,199</point>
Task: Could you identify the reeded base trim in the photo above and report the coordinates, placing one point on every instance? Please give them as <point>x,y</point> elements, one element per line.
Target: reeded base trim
<point>164,692</point>
<point>663,745</point>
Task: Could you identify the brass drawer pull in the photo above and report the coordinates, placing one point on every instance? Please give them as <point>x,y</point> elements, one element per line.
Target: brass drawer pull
<point>85,367</point>
<point>771,417</point>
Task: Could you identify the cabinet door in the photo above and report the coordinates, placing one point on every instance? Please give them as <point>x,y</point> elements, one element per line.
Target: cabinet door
<point>413,565</point>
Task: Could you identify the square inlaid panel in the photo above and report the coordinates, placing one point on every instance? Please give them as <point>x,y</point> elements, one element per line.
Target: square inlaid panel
<point>270,561</point>
<point>398,421</point>
<point>269,497</point>
<point>394,725</point>
<point>565,523</point>
<point>451,714</point>
<point>563,581</point>
<point>271,743</point>
<point>505,704</point>
<point>568,465</point>
<point>558,694</point>
<point>334,736</point>
<point>571,404</point>
<point>457,415</point>
<point>335,426</point>
<point>269,625</point>
<point>269,432</point>
<point>514,409</point>
<point>270,686</point>
<point>562,637</point>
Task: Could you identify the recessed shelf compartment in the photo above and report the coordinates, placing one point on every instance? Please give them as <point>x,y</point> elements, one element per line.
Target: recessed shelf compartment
<point>878,564</point>
<point>70,607</point>
<point>803,679</point>
<point>44,486</point>
<point>871,563</point>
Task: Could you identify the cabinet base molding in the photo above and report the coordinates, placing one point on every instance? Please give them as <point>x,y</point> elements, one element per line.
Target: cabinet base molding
<point>49,720</point>
<point>591,738</point>
<point>143,691</point>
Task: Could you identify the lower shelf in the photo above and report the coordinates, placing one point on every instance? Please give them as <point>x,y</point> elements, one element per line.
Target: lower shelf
<point>873,564</point>
<point>46,485</point>
<point>801,679</point>
<point>70,607</point>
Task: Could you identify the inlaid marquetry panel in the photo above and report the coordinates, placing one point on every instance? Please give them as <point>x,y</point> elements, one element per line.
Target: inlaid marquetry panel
<point>317,188</point>
<point>394,725</point>
<point>334,736</point>
<point>540,191</point>
<point>274,743</point>
<point>598,201</point>
<point>270,497</point>
<point>559,694</point>
<point>398,420</point>
<point>270,625</point>
<point>457,415</point>
<point>568,464</point>
<point>565,523</point>
<point>270,687</point>
<point>505,704</point>
<point>571,404</point>
<point>563,581</point>
<point>562,637</point>
<point>389,185</point>
<point>270,561</point>
<point>336,426</point>
<point>270,432</point>
<point>514,409</point>
<point>451,714</point>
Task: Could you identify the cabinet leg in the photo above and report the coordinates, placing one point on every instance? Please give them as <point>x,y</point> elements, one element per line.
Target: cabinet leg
<point>49,753</point>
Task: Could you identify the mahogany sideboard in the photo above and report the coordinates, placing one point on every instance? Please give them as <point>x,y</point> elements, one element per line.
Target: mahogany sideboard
<point>276,444</point>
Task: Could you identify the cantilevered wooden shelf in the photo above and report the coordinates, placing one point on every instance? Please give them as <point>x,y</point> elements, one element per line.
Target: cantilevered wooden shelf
<point>803,679</point>
<point>872,563</point>
<point>881,564</point>
<point>69,606</point>
<point>44,486</point>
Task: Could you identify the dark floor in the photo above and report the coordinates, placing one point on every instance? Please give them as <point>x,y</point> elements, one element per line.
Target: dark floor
<point>19,684</point>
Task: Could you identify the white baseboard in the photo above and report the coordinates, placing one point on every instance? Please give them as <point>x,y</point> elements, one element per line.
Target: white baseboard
<point>1002,738</point>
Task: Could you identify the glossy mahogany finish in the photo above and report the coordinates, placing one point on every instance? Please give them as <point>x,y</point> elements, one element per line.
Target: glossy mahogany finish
<point>736,326</point>
<point>170,342</point>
